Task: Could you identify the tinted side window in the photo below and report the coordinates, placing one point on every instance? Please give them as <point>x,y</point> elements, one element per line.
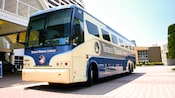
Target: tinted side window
<point>105,35</point>
<point>121,42</point>
<point>78,32</point>
<point>92,28</point>
<point>114,39</point>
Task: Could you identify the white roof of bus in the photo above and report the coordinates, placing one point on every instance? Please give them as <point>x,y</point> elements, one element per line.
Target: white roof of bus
<point>73,6</point>
<point>53,9</point>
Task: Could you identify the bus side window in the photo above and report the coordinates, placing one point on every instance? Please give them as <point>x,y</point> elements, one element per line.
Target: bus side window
<point>114,39</point>
<point>92,28</point>
<point>105,35</point>
<point>78,32</point>
<point>121,42</point>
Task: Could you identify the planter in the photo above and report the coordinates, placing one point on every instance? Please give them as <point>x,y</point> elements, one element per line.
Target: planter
<point>171,61</point>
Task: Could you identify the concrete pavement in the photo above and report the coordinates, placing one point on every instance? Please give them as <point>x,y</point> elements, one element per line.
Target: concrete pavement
<point>156,82</point>
<point>145,82</point>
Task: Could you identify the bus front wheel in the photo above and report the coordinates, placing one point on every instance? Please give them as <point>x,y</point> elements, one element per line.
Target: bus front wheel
<point>92,75</point>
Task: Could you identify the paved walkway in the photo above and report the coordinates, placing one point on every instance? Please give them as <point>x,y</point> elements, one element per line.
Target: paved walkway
<point>156,82</point>
<point>12,79</point>
<point>145,82</point>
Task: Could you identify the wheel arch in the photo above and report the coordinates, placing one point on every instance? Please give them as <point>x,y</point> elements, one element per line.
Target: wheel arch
<point>94,66</point>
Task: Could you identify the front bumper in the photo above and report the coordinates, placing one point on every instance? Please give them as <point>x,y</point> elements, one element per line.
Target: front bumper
<point>47,75</point>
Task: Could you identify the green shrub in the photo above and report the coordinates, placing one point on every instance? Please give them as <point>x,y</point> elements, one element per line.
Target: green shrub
<point>150,63</point>
<point>173,69</point>
<point>171,41</point>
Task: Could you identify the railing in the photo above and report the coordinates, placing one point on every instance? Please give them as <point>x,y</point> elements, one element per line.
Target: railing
<point>17,7</point>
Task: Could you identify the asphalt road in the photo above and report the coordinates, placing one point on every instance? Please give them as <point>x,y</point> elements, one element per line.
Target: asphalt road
<point>147,82</point>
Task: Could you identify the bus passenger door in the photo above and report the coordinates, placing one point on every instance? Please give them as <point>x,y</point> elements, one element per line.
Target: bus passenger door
<point>77,33</point>
<point>79,69</point>
<point>78,53</point>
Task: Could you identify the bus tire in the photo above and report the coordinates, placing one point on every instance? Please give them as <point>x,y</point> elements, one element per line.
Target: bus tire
<point>133,67</point>
<point>92,75</point>
<point>130,68</point>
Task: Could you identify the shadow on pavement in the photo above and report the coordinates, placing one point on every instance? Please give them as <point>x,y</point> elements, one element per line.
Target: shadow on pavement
<point>104,86</point>
<point>12,79</point>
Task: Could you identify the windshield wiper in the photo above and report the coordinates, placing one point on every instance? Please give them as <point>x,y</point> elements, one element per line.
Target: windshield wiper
<point>33,45</point>
<point>49,43</point>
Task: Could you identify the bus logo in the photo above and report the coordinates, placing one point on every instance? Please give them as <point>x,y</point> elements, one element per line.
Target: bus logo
<point>42,59</point>
<point>97,47</point>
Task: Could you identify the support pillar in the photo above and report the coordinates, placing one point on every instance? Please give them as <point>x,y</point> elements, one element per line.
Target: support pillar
<point>12,57</point>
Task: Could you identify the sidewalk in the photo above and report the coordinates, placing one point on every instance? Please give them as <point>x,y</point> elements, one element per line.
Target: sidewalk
<point>12,79</point>
<point>145,82</point>
<point>157,82</point>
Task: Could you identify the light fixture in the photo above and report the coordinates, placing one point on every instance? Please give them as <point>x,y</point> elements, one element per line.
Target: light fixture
<point>2,22</point>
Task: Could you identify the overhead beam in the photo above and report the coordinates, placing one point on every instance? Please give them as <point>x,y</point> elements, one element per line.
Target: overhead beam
<point>10,33</point>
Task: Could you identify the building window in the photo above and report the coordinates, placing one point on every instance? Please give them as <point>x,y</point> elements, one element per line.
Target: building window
<point>143,56</point>
<point>19,62</point>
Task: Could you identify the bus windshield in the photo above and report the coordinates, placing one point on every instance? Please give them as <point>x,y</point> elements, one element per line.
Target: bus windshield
<point>50,29</point>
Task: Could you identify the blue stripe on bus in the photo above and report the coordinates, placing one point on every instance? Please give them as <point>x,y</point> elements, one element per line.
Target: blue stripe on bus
<point>48,52</point>
<point>100,60</point>
<point>104,64</point>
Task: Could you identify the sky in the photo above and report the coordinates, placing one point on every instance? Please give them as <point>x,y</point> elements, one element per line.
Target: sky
<point>145,21</point>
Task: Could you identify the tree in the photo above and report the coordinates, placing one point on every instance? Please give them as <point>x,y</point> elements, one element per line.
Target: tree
<point>171,41</point>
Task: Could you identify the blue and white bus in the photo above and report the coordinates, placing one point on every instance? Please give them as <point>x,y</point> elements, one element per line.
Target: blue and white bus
<point>68,45</point>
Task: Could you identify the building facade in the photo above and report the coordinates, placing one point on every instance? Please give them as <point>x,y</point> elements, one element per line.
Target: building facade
<point>165,58</point>
<point>154,54</point>
<point>148,54</point>
<point>54,3</point>
<point>14,16</point>
<point>141,55</point>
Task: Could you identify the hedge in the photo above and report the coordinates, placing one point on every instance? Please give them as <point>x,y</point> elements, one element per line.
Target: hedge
<point>150,63</point>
